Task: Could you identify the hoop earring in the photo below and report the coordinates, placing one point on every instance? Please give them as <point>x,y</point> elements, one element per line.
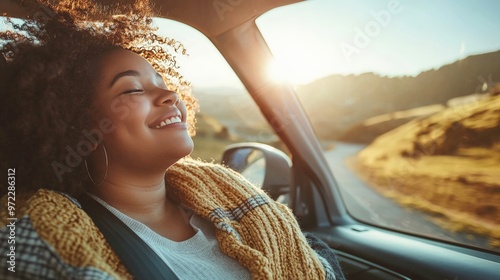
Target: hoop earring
<point>105,174</point>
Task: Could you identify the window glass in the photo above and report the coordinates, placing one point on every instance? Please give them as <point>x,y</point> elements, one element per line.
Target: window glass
<point>405,97</point>
<point>227,114</point>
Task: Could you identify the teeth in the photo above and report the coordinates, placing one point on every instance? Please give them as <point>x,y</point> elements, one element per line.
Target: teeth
<point>175,119</point>
<point>172,120</point>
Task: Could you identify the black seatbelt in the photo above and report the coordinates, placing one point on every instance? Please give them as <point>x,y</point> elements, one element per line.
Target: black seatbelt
<point>139,259</point>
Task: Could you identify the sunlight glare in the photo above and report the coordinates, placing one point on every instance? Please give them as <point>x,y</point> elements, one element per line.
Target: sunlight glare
<point>277,72</point>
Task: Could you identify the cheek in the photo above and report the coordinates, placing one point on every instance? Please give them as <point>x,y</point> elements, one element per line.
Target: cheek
<point>127,117</point>
<point>128,110</point>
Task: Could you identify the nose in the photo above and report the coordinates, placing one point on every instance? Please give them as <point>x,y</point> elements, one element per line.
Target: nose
<point>167,97</point>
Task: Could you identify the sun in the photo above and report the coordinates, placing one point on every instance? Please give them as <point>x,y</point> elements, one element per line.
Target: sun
<point>277,72</point>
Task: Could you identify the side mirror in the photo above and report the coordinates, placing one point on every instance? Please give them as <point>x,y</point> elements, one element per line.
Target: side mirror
<point>263,165</point>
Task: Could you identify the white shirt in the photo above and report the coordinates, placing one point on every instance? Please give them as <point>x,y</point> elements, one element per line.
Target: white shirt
<point>199,257</point>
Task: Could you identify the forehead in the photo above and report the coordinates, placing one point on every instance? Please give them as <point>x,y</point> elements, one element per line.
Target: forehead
<point>117,61</point>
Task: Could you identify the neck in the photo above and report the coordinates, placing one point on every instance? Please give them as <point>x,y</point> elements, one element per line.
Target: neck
<point>146,202</point>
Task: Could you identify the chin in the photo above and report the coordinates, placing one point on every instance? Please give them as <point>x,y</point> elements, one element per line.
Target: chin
<point>172,155</point>
<point>186,149</point>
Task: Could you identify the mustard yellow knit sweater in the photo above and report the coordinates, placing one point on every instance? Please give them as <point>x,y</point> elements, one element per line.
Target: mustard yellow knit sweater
<point>258,232</point>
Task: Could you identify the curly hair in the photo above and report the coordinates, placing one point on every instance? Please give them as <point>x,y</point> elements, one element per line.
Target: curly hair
<point>47,80</point>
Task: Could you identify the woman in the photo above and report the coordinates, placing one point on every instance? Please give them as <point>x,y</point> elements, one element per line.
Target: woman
<point>98,111</point>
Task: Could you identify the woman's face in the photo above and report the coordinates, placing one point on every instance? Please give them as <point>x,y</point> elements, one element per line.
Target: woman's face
<point>143,124</point>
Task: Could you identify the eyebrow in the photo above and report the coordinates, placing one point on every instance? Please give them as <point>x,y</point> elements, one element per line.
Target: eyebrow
<point>128,73</point>
<point>123,74</point>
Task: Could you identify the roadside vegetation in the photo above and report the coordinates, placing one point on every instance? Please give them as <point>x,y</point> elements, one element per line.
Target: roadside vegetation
<point>447,164</point>
<point>211,139</point>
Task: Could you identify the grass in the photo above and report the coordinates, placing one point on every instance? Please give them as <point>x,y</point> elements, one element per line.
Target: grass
<point>212,138</point>
<point>455,205</point>
<point>447,165</point>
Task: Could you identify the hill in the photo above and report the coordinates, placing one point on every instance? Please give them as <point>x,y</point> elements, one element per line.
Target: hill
<point>235,109</point>
<point>211,138</point>
<point>447,164</point>
<point>337,103</point>
<point>373,127</point>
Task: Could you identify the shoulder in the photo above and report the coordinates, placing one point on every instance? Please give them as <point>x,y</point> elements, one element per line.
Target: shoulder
<point>194,168</point>
<point>191,182</point>
<point>51,234</point>
<point>42,207</point>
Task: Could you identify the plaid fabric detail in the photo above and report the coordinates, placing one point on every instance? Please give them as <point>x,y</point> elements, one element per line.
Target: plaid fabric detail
<point>35,259</point>
<point>239,212</point>
<point>227,228</point>
<point>218,215</point>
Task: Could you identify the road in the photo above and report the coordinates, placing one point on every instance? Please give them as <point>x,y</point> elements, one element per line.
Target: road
<point>365,204</point>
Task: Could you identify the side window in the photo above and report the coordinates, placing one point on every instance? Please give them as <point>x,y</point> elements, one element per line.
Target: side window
<point>227,114</point>
<point>404,96</point>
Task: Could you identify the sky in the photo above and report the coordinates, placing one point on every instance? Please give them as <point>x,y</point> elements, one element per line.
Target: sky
<point>317,38</point>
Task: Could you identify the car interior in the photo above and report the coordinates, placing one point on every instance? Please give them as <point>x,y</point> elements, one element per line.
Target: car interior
<point>302,178</point>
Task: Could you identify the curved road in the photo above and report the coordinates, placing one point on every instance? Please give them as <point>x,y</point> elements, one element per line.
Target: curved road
<point>366,204</point>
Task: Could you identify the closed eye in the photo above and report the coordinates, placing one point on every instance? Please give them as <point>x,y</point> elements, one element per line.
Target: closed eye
<point>133,91</point>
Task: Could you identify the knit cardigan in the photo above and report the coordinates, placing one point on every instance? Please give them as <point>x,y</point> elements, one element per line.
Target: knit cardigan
<point>56,239</point>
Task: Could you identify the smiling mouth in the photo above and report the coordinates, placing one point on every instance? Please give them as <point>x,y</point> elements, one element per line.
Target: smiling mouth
<point>169,121</point>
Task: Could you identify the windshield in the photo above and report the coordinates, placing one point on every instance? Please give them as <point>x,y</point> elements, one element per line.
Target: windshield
<point>405,97</point>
